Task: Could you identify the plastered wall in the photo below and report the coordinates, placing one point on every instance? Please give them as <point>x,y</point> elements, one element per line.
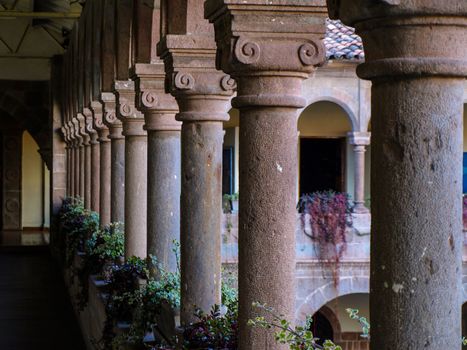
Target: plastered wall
<point>35,186</point>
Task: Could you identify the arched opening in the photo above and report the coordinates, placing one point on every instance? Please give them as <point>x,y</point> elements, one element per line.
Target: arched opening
<point>323,128</point>
<point>34,192</point>
<point>322,327</point>
<point>332,321</point>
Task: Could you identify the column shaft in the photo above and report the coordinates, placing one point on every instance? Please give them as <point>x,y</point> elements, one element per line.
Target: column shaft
<point>201,203</point>
<point>77,171</point>
<point>87,175</point>
<point>163,195</point>
<point>117,174</point>
<point>359,154</point>
<point>268,169</point>
<point>136,163</point>
<point>416,207</point>
<point>104,188</point>
<point>95,174</point>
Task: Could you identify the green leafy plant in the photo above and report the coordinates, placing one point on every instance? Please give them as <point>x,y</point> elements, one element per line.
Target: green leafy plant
<point>123,298</point>
<point>77,225</point>
<point>104,248</point>
<point>353,314</point>
<point>297,338</point>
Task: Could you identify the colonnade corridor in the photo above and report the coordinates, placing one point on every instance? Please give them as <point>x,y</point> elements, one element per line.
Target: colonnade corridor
<point>35,309</point>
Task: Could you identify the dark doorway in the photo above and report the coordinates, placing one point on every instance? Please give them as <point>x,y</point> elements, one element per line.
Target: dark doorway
<point>228,170</point>
<point>322,164</point>
<point>321,328</point>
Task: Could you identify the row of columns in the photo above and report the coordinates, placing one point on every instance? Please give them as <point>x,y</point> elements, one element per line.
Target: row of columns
<point>162,110</point>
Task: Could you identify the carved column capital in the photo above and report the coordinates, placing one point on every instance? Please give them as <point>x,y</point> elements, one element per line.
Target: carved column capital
<point>157,105</point>
<point>89,127</point>
<point>199,88</point>
<point>97,115</point>
<point>255,38</point>
<point>426,40</point>
<point>268,48</point>
<point>77,129</point>
<point>358,138</point>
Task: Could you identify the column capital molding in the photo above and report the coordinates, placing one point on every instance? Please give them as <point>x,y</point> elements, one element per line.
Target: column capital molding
<point>158,106</point>
<point>257,38</point>
<point>359,138</point>
<point>419,40</point>
<point>89,127</point>
<point>71,134</point>
<point>195,76</point>
<point>97,115</point>
<point>109,110</point>
<point>79,128</point>
<point>125,100</point>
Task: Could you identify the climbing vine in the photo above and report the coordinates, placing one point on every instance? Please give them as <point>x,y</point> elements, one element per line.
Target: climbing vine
<point>327,215</point>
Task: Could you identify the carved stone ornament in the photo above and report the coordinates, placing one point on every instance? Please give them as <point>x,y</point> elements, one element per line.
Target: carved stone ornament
<point>149,99</point>
<point>247,51</point>
<point>184,81</point>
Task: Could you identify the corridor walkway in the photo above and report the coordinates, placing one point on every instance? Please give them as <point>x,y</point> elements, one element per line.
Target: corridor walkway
<point>35,312</point>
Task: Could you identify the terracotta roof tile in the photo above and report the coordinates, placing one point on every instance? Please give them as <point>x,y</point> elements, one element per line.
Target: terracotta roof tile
<point>342,42</point>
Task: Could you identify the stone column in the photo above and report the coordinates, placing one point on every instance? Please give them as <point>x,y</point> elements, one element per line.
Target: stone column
<point>104,163</point>
<point>359,141</point>
<point>85,161</point>
<point>203,95</point>
<point>136,162</point>
<point>94,162</point>
<point>163,162</point>
<point>71,137</point>
<point>269,60</point>
<point>117,169</point>
<point>65,133</point>
<point>416,59</point>
<point>78,153</point>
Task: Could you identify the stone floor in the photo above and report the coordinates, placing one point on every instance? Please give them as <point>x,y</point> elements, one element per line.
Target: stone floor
<point>35,312</point>
<point>24,238</point>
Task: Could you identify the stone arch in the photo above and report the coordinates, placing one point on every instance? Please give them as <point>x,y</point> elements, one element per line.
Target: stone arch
<point>324,294</point>
<point>333,320</point>
<point>343,100</point>
<point>34,120</point>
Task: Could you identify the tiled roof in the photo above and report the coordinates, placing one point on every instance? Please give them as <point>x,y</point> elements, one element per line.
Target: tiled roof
<point>342,42</point>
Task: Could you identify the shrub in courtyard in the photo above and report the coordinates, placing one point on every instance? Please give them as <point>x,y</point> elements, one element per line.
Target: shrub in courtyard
<point>105,248</point>
<point>328,214</point>
<point>77,224</point>
<point>124,282</point>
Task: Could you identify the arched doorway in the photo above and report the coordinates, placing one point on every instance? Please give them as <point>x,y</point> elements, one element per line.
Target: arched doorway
<point>323,149</point>
<point>332,321</point>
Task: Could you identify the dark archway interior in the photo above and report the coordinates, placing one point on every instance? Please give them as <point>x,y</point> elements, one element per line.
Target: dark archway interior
<point>321,328</point>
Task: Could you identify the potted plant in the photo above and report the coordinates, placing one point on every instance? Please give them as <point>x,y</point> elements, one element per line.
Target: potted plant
<point>232,200</point>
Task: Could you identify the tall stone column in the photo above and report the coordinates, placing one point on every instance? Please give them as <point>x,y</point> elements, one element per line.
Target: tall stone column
<point>78,154</point>
<point>416,59</point>
<point>70,178</point>
<point>66,136</point>
<point>269,60</point>
<point>104,163</point>
<point>93,152</point>
<point>163,162</point>
<point>117,159</point>
<point>85,158</point>
<point>136,162</point>
<point>203,95</point>
<point>359,141</point>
